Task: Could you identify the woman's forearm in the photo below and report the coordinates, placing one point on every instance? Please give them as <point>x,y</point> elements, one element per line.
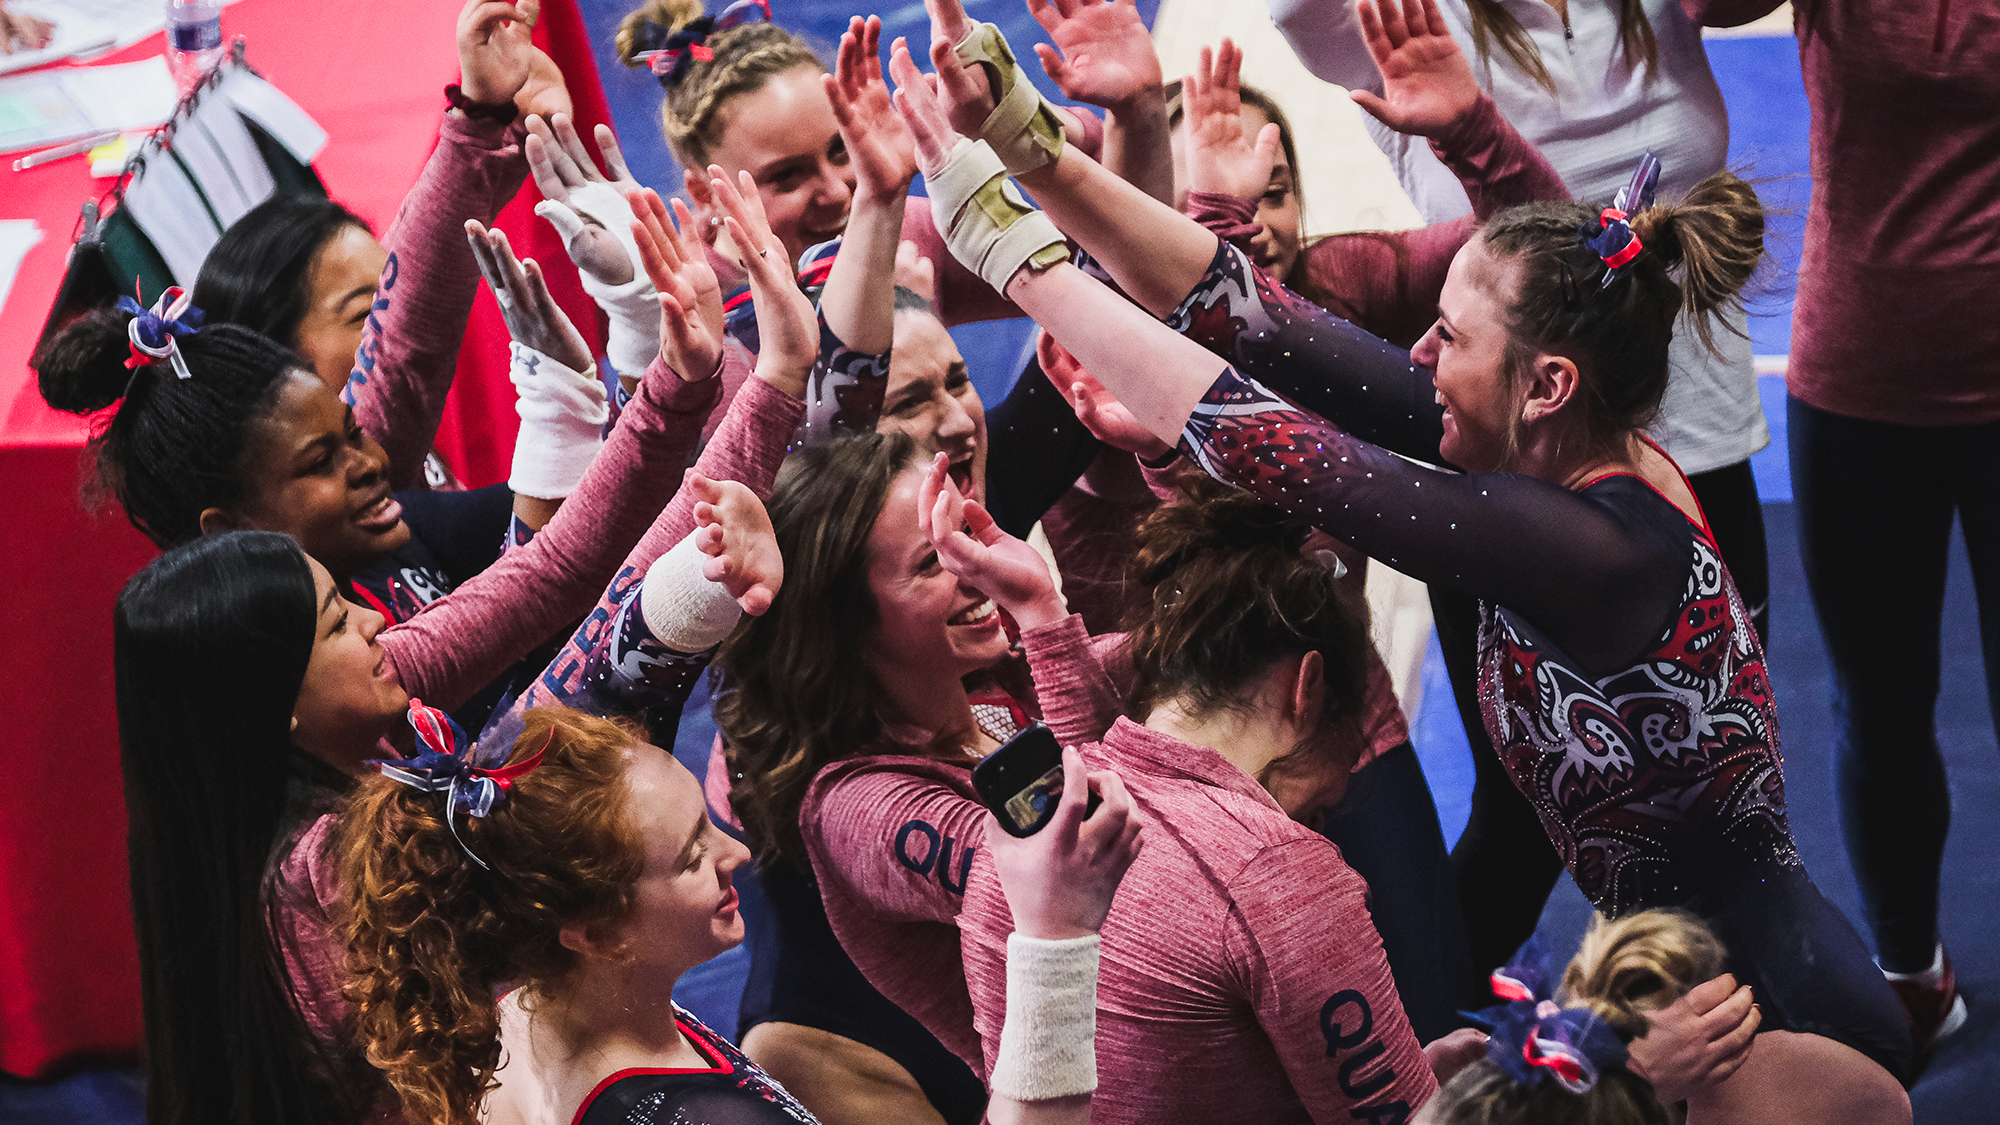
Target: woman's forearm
<point>859,302</point>
<point>1154,371</point>
<point>1154,253</point>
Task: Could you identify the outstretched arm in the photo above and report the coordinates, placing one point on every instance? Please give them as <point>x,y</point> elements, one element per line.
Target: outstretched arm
<point>410,343</point>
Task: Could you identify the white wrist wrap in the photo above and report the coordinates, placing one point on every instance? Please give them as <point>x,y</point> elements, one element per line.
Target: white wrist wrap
<point>685,611</point>
<point>984,219</point>
<point>562,422</point>
<point>1048,1046</point>
<point>632,309</point>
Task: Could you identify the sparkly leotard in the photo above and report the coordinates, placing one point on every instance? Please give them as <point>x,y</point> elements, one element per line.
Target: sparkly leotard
<point>1622,684</point>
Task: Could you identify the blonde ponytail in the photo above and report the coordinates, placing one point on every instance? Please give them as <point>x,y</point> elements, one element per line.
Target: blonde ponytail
<point>1715,236</point>
<point>1638,964</point>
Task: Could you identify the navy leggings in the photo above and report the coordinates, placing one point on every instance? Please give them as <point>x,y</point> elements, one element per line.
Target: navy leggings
<point>1875,506</point>
<point>1387,829</point>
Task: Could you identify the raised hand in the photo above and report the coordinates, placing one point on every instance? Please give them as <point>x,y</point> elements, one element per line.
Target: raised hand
<point>965,90</point>
<point>787,326</point>
<point>1427,84</point>
<point>916,99</point>
<point>1220,158</point>
<point>734,531</point>
<point>974,548</point>
<point>533,317</point>
<point>1060,882</point>
<point>1106,55</point>
<point>495,57</point>
<point>586,207</point>
<point>545,92</point>
<point>877,140</point>
<point>691,321</point>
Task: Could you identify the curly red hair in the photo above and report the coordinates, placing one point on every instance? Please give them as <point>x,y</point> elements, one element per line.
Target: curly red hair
<point>429,933</point>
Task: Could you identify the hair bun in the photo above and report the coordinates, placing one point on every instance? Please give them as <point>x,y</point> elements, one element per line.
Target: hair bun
<point>647,27</point>
<point>82,370</point>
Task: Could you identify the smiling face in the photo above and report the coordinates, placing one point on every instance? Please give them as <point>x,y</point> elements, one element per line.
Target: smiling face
<point>930,397</point>
<point>784,134</point>
<point>350,697</point>
<point>309,471</point>
<point>1280,212</point>
<point>1467,350</point>
<point>925,618</point>
<point>342,283</point>
<point>684,906</point>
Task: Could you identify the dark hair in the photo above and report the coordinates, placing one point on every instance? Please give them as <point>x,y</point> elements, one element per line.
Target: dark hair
<point>1618,334</point>
<point>1299,278</point>
<point>429,933</point>
<point>175,446</point>
<point>1218,589</point>
<point>210,648</point>
<point>797,696</point>
<point>743,59</point>
<point>1491,20</point>
<point>259,274</point>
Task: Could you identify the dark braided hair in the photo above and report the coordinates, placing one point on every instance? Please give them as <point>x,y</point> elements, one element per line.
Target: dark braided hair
<point>175,446</point>
<point>1618,334</point>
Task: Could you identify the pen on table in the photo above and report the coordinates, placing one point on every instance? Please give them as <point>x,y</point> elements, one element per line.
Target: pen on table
<point>71,149</point>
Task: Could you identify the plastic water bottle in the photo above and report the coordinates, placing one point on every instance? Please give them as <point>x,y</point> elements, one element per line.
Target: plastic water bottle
<point>194,38</point>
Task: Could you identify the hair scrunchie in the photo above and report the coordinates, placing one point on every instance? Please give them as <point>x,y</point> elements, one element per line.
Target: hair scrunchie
<point>1613,238</point>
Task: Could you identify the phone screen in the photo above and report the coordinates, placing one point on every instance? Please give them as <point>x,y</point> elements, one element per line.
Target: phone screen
<point>1031,807</point>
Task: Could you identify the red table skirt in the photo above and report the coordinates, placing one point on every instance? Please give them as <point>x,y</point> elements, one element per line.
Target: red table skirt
<point>372,75</point>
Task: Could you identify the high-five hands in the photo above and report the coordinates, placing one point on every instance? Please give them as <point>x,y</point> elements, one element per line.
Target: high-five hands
<point>1103,54</point>
<point>787,326</point>
<point>1427,84</point>
<point>691,320</point>
<point>532,315</point>
<point>734,531</point>
<point>585,206</point>
<point>878,142</point>
<point>1220,157</point>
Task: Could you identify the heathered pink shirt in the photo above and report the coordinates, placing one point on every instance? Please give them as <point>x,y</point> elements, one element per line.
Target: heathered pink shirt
<point>1241,980</point>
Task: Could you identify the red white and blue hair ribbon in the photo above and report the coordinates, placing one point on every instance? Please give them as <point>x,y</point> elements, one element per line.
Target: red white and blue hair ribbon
<point>1534,1039</point>
<point>669,53</point>
<point>1613,239</point>
<point>151,332</point>
<point>444,764</point>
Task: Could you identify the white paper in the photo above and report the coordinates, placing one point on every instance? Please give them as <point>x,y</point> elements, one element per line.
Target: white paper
<point>87,26</point>
<point>17,237</point>
<point>216,146</point>
<point>279,115</point>
<point>169,209</point>
<point>53,106</point>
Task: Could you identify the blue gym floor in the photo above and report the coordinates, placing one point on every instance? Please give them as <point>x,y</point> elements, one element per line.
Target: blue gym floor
<point>1760,78</point>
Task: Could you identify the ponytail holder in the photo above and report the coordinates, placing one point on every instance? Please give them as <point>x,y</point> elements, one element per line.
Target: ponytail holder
<point>1613,239</point>
<point>669,59</point>
<point>151,331</point>
<point>444,764</point>
<point>1534,1039</point>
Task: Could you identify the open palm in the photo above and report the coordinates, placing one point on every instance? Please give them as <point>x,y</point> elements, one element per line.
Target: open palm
<point>1427,84</point>
<point>884,154</point>
<point>1106,54</point>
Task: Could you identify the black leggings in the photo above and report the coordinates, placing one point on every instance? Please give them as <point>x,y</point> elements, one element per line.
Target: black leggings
<point>1504,865</point>
<point>1875,506</point>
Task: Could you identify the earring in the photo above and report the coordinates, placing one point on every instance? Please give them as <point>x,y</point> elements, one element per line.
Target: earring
<point>295,722</point>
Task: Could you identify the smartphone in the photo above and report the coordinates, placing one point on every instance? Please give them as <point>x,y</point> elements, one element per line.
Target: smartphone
<point>1022,782</point>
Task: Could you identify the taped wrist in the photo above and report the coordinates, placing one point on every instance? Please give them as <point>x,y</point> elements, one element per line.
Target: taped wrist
<point>1023,127</point>
<point>563,412</point>
<point>984,219</point>
<point>684,611</point>
<point>1048,1046</point>
<point>632,310</point>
